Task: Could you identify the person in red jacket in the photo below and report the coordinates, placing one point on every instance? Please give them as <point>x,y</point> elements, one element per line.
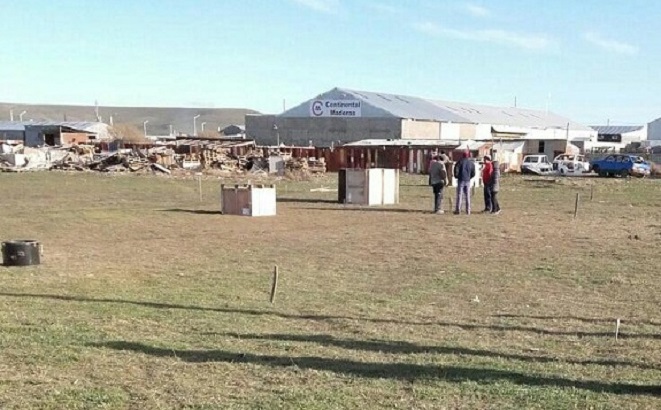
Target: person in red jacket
<point>487,181</point>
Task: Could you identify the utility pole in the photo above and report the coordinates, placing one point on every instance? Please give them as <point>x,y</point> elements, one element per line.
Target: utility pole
<point>144,125</point>
<point>96,111</point>
<point>195,125</point>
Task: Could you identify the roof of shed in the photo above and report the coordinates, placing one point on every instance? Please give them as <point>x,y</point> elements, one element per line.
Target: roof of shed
<point>400,143</point>
<point>20,125</point>
<point>616,129</point>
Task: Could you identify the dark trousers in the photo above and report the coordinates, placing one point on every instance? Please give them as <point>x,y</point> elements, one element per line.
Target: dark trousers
<point>495,206</point>
<point>438,196</point>
<point>488,198</point>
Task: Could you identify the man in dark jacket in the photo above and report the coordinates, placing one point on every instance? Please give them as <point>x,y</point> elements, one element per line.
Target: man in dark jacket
<point>464,171</point>
<point>438,179</point>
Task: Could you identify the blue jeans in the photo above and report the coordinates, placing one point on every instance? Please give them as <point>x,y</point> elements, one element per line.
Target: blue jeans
<point>488,198</point>
<point>463,192</point>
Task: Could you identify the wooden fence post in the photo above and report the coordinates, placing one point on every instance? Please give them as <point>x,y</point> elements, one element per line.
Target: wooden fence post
<point>274,284</point>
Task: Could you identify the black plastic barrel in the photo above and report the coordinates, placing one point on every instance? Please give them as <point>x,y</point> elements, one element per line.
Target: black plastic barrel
<point>21,253</point>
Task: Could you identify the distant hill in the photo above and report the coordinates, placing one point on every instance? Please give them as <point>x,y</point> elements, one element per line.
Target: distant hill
<point>159,118</point>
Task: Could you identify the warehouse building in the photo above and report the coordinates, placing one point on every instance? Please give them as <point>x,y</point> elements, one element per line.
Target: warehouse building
<point>342,116</point>
<point>616,137</point>
<point>52,133</point>
<point>654,130</point>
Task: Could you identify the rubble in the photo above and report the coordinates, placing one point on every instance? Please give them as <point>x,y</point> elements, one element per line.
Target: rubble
<point>230,157</point>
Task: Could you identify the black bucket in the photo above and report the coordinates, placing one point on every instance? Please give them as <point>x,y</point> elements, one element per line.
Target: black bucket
<point>21,253</point>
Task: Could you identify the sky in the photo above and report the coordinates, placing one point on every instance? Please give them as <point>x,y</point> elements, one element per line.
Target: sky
<point>591,60</point>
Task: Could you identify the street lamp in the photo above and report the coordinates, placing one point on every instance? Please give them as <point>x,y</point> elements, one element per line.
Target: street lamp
<point>277,135</point>
<point>195,125</point>
<point>203,126</point>
<point>144,126</point>
<point>22,114</point>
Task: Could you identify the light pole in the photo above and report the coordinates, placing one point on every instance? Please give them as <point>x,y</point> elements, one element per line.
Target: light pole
<point>171,134</point>
<point>195,125</point>
<point>21,115</point>
<point>144,126</point>
<point>277,135</point>
<point>203,126</point>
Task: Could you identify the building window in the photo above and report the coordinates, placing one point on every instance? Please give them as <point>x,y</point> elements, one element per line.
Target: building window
<point>542,147</point>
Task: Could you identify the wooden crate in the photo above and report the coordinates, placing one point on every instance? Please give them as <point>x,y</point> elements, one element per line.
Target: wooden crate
<point>248,200</point>
<point>375,186</point>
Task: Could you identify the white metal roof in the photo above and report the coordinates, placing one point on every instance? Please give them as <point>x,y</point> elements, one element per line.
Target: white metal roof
<point>20,125</point>
<point>400,143</point>
<point>617,129</point>
<point>403,106</point>
<point>508,146</point>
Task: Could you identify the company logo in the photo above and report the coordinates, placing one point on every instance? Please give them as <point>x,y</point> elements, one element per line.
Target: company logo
<point>317,108</point>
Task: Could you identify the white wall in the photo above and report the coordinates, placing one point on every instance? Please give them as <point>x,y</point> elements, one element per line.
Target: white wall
<point>654,130</point>
<point>450,131</point>
<point>427,130</point>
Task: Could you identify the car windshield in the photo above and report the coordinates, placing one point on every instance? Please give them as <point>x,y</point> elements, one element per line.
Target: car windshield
<point>638,160</point>
<point>530,159</point>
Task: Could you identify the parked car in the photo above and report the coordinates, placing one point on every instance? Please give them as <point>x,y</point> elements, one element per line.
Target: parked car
<point>570,164</point>
<point>621,164</point>
<point>535,164</point>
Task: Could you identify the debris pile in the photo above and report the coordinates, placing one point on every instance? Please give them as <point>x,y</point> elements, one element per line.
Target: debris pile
<point>307,165</point>
<point>227,157</point>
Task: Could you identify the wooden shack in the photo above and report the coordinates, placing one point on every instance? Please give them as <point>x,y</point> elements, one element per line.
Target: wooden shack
<point>248,200</point>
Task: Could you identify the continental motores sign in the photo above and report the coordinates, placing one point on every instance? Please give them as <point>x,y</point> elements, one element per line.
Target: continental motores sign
<point>335,108</point>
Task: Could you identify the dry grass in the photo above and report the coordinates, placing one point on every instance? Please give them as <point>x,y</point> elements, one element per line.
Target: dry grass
<point>148,299</point>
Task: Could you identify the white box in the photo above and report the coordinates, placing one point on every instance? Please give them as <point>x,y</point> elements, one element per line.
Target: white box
<point>16,160</point>
<point>375,186</point>
<point>248,200</point>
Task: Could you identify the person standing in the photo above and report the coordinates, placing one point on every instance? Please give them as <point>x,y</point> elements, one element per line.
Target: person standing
<point>487,173</point>
<point>464,171</point>
<point>438,179</point>
<point>495,187</point>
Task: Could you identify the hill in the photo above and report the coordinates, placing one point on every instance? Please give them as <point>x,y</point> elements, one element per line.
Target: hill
<point>159,118</point>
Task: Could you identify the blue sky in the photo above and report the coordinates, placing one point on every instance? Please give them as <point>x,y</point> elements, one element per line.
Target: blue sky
<point>597,60</point>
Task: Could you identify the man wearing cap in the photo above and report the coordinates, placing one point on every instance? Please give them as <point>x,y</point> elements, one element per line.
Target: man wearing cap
<point>438,179</point>
<point>464,171</point>
<point>487,181</point>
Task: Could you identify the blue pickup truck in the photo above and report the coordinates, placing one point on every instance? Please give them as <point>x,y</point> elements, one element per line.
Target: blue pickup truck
<point>623,165</point>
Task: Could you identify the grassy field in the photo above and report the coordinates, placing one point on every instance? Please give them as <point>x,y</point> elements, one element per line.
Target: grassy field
<point>148,299</point>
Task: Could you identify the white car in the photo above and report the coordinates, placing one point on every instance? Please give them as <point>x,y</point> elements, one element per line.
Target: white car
<point>536,164</point>
<point>570,164</point>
